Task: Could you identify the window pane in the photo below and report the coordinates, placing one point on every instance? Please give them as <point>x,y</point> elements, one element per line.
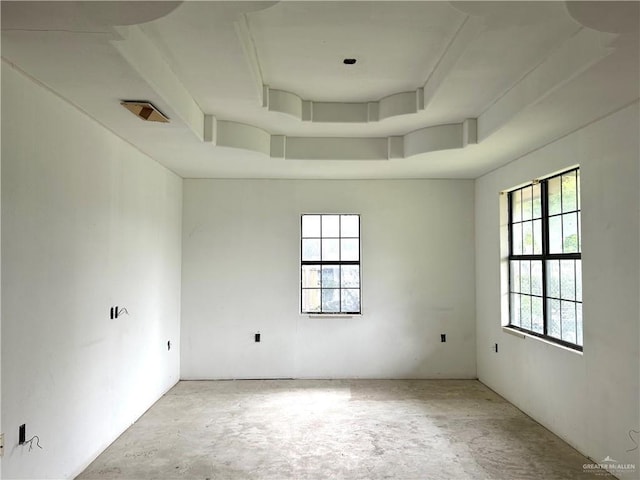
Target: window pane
<point>311,225</point>
<point>330,276</point>
<point>350,276</point>
<point>351,300</point>
<point>525,311</point>
<point>330,225</point>
<point>527,238</point>
<point>330,249</point>
<point>310,276</point>
<point>527,205</point>
<point>515,276</point>
<point>553,314</point>
<point>579,280</point>
<point>515,309</point>
<point>517,238</point>
<point>578,187</point>
<point>555,235</point>
<point>536,278</point>
<point>568,313</point>
<point>553,278</point>
<point>537,204</point>
<point>349,249</point>
<point>525,277</point>
<point>570,233</point>
<point>579,323</point>
<point>516,205</point>
<point>569,191</point>
<point>311,300</point>
<point>537,237</point>
<point>310,249</point>
<point>330,300</point>
<point>536,315</point>
<point>350,226</point>
<point>554,189</point>
<point>567,280</point>
<point>579,234</point>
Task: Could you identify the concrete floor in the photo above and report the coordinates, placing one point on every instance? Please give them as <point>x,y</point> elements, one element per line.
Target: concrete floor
<point>338,429</point>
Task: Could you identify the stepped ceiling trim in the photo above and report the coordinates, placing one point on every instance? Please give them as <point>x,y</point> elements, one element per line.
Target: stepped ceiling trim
<point>141,54</point>
<point>250,84</point>
<point>429,139</point>
<point>403,103</point>
<point>575,55</point>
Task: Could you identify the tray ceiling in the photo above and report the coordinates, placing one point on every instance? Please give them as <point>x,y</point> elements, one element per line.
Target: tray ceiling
<point>260,90</point>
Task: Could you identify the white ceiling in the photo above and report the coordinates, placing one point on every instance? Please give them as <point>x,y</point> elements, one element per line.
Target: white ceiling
<point>259,89</point>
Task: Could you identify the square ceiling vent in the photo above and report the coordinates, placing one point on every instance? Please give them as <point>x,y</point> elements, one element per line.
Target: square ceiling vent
<point>145,110</point>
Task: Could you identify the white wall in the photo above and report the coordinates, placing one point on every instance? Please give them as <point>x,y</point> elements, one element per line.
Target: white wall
<point>87,222</point>
<point>591,400</point>
<point>1,430</point>
<point>240,275</point>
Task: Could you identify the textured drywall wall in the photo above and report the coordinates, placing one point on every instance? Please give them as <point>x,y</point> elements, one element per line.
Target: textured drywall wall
<point>589,399</point>
<point>241,275</point>
<point>88,222</point>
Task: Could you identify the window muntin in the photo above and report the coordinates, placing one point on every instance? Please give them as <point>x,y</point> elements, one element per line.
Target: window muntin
<point>330,264</point>
<point>545,266</point>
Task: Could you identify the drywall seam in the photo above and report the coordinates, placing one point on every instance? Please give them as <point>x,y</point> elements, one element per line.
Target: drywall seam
<point>469,28</point>
<point>248,46</point>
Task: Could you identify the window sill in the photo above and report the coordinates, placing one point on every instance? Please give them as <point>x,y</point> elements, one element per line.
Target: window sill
<point>515,333</point>
<point>524,335</point>
<point>331,315</point>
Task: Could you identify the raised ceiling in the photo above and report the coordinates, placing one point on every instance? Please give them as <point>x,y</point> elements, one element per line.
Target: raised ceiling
<point>260,90</point>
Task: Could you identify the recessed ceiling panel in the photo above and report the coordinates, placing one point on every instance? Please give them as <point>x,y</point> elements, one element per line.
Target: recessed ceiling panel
<point>528,72</point>
<point>302,46</point>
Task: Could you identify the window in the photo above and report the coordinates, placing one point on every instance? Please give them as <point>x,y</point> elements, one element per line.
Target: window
<point>545,266</point>
<point>330,264</point>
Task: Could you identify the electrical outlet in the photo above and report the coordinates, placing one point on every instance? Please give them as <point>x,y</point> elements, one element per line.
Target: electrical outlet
<point>169,345</point>
<point>22,434</point>
<point>443,337</point>
<point>257,338</point>
<point>495,348</point>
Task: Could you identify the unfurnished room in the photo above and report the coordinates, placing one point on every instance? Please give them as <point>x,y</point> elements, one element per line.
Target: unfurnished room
<point>320,240</point>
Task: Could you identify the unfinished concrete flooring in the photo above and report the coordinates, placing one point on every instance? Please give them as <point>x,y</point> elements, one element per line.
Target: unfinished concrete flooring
<point>350,429</point>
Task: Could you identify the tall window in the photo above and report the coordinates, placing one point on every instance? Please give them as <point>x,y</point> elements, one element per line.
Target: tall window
<point>330,264</point>
<point>545,266</point>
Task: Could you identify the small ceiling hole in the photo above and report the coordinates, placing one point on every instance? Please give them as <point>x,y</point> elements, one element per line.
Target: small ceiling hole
<point>349,61</point>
